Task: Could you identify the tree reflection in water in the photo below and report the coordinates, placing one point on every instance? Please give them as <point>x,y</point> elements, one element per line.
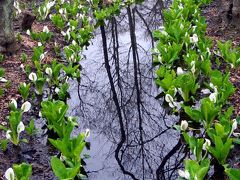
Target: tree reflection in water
<point>117,102</point>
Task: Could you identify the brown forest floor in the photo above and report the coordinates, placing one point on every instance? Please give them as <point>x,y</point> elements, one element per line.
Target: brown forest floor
<point>216,32</point>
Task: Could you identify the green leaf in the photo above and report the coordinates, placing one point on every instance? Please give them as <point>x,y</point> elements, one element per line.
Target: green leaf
<point>234,174</point>
<point>22,171</point>
<point>61,171</point>
<point>3,144</point>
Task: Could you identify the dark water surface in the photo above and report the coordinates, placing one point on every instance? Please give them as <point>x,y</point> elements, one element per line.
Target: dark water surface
<point>132,142</point>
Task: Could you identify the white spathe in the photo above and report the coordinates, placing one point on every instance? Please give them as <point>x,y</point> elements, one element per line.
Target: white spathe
<point>213,97</point>
<point>206,144</point>
<point>234,125</point>
<point>180,71</point>
<point>48,71</point>
<point>57,90</point>
<point>87,133</point>
<point>3,80</point>
<point>205,91</point>
<point>9,174</point>
<point>184,174</point>
<point>45,29</point>
<point>8,135</point>
<point>26,106</point>
<point>20,127</point>
<point>14,102</point>
<point>170,101</point>
<point>32,76</point>
<point>194,39</point>
<point>28,32</point>
<point>184,125</point>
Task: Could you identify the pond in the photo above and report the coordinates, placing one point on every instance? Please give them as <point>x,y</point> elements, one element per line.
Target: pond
<point>131,134</point>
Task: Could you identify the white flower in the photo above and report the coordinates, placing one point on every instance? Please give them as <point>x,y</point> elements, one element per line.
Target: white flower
<point>61,11</point>
<point>87,133</point>
<point>14,102</point>
<point>67,34</point>
<point>39,44</point>
<point>8,135</point>
<point>205,91</point>
<point>28,32</point>
<point>209,52</point>
<point>181,26</point>
<point>206,144</point>
<point>57,90</point>
<point>237,135</point>
<point>213,87</point>
<point>42,56</point>
<point>184,125</point>
<point>48,71</point>
<point>26,106</point>
<point>40,114</point>
<point>180,6</point>
<point>194,39</point>
<point>22,67</point>
<point>213,97</point>
<point>170,101</point>
<point>45,29</point>
<point>9,174</point>
<point>180,71</point>
<point>164,33</point>
<point>184,174</point>
<point>20,127</point>
<point>234,125</point>
<point>44,9</point>
<point>62,158</point>
<point>32,76</point>
<point>50,4</point>
<point>3,80</point>
<point>73,28</point>
<point>193,67</point>
<point>194,28</point>
<point>74,43</point>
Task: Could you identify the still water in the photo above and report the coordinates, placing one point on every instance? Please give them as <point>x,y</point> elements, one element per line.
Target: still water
<point>133,142</point>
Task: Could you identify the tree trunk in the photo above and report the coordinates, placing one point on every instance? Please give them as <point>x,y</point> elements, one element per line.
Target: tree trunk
<point>7,38</point>
<point>229,11</point>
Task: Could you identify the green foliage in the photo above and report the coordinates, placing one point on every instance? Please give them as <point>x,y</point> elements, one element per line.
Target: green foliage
<point>229,54</point>
<point>70,148</point>
<point>23,57</point>
<point>55,113</point>
<point>24,90</point>
<point>234,174</point>
<point>22,171</point>
<point>30,129</point>
<point>187,77</point>
<point>58,21</point>
<point>221,149</point>
<point>61,171</point>
<point>195,144</point>
<point>1,57</point>
<point>197,170</point>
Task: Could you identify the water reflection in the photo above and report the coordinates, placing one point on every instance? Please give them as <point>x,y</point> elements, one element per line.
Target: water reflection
<point>131,134</point>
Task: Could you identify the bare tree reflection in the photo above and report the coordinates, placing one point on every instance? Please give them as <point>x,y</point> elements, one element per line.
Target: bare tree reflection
<point>120,98</point>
